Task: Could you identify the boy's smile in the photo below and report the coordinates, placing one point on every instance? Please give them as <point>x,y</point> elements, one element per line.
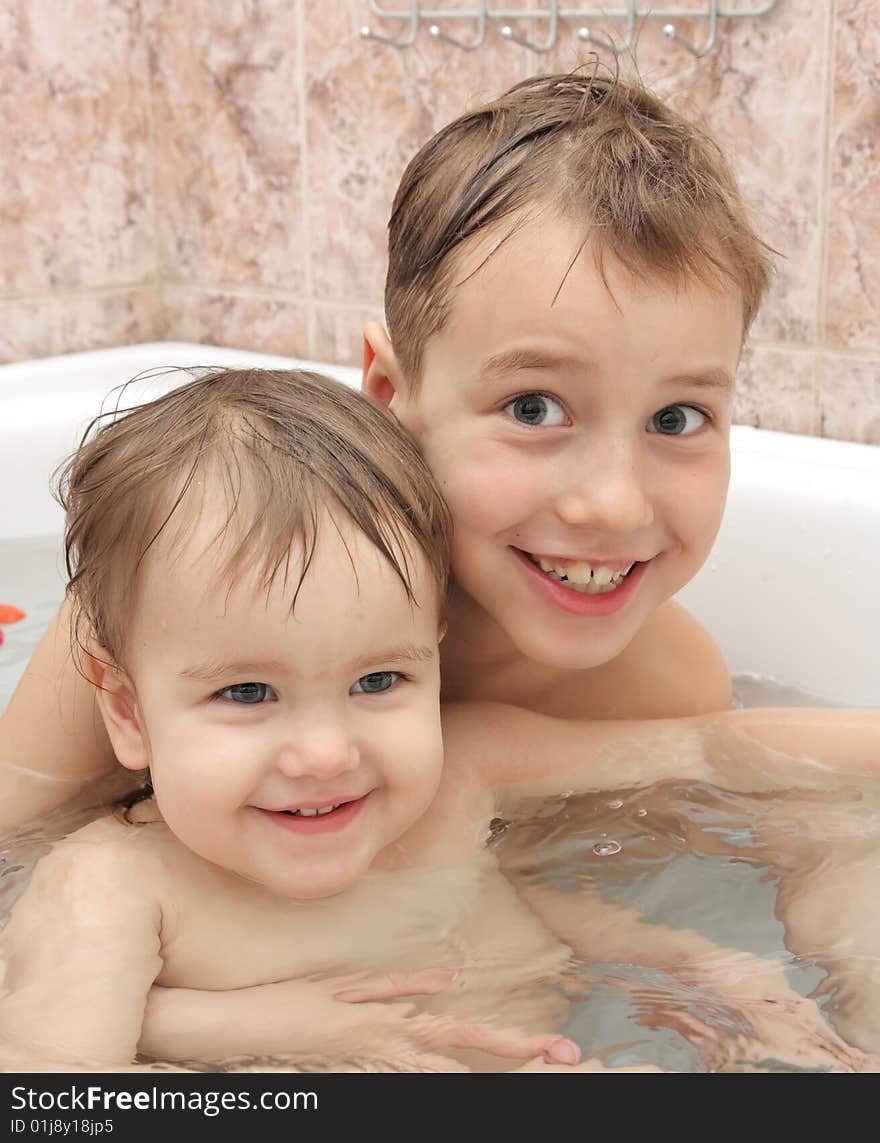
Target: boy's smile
<point>578,428</point>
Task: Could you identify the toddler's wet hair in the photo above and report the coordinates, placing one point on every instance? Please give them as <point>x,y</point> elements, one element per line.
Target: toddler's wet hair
<point>280,446</point>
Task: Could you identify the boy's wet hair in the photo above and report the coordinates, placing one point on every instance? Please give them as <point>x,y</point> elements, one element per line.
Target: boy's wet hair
<point>280,446</point>
<point>647,186</point>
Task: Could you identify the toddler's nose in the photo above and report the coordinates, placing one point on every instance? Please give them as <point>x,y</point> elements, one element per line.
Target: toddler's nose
<point>321,751</point>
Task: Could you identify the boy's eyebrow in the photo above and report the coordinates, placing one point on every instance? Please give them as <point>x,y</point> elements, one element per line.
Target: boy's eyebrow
<point>712,378</point>
<point>522,360</point>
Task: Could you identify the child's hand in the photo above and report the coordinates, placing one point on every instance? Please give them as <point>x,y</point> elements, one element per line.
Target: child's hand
<point>422,1039</point>
<point>591,1065</point>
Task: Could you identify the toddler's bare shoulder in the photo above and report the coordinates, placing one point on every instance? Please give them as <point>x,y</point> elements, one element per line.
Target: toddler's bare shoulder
<point>106,858</point>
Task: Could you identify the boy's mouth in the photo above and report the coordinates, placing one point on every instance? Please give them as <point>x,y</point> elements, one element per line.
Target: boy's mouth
<point>580,576</point>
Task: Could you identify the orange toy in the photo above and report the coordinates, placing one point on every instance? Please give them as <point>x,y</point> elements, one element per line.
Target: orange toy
<point>9,614</point>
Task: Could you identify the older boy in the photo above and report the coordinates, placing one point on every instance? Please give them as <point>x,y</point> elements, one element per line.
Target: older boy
<point>572,274</point>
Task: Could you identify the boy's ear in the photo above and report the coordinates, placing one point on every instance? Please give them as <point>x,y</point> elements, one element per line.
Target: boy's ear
<point>117,703</point>
<point>382,377</point>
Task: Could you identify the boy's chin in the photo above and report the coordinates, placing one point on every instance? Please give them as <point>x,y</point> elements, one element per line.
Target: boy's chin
<point>572,649</point>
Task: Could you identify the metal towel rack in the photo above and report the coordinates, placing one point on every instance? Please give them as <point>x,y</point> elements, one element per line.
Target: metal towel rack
<point>415,17</point>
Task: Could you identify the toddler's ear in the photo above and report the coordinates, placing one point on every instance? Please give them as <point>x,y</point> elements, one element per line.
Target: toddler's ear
<point>117,703</point>
<point>382,378</point>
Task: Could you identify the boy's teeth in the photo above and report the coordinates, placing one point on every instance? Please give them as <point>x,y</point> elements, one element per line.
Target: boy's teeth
<point>311,813</point>
<point>581,577</point>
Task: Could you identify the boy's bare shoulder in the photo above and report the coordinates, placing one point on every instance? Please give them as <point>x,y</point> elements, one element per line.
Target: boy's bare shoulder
<point>686,663</point>
<point>672,668</point>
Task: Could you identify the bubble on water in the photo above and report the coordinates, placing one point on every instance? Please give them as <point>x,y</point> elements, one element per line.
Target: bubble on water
<point>607,848</point>
<point>641,813</point>
<point>615,805</point>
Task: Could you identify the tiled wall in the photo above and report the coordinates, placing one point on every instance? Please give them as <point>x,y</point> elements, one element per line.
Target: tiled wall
<point>222,172</point>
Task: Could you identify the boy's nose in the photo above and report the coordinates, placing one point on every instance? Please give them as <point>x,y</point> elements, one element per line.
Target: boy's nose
<point>320,750</point>
<point>608,493</point>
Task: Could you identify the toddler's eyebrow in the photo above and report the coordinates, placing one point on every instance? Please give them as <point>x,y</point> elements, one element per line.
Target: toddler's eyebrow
<point>208,671</point>
<point>391,656</point>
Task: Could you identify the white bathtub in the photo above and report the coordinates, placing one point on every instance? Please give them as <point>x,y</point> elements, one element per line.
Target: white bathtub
<point>790,591</point>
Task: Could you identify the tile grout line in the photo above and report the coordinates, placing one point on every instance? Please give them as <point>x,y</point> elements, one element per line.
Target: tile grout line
<point>824,213</point>
<point>302,118</point>
<point>158,284</point>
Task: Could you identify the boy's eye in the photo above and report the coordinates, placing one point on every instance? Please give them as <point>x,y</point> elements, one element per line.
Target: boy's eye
<point>375,684</point>
<point>249,693</point>
<point>536,409</point>
<point>677,420</point>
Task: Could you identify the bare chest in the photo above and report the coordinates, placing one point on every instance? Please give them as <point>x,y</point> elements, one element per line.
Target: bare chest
<point>232,935</point>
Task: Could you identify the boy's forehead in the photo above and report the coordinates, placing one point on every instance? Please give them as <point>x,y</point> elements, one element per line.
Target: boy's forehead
<point>556,263</point>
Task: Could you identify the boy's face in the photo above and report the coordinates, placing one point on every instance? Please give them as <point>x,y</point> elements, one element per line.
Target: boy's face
<point>248,712</point>
<point>572,435</point>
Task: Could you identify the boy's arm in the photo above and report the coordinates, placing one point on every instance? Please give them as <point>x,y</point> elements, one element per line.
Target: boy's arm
<point>52,739</point>
<point>762,1016</point>
<point>80,953</point>
<point>524,754</point>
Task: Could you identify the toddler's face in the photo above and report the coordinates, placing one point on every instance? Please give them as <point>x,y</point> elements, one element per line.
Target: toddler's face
<point>258,720</point>
<point>579,433</point>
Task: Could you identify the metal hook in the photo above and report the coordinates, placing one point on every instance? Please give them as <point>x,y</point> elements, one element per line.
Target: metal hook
<point>508,33</point>
<point>671,34</point>
<point>367,33</point>
<point>605,41</point>
<point>435,33</point>
<point>601,40</point>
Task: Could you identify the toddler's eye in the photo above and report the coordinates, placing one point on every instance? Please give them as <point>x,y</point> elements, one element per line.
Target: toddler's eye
<point>249,693</point>
<point>536,409</point>
<point>677,420</point>
<point>375,684</point>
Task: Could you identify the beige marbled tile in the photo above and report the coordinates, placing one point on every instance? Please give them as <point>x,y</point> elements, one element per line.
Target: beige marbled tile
<point>226,103</point>
<point>852,314</point>
<point>44,327</point>
<point>763,95</point>
<point>75,182</point>
<point>267,324</point>
<point>338,332</point>
<point>776,389</point>
<point>849,398</point>
<point>369,108</point>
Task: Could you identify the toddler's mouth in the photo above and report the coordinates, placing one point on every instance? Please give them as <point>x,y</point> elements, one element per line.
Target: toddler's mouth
<point>581,577</point>
<point>313,812</point>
